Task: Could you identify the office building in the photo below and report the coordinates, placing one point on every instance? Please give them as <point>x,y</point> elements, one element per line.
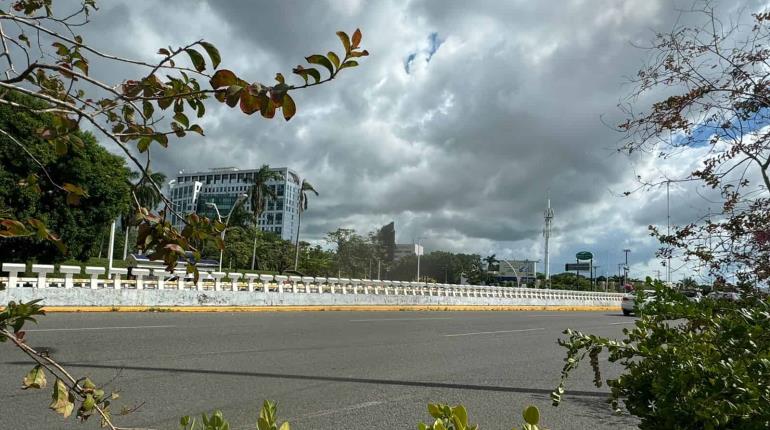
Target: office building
<point>190,192</point>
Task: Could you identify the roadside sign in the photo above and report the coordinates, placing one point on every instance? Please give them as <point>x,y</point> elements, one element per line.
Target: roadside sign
<point>574,267</point>
<point>584,255</point>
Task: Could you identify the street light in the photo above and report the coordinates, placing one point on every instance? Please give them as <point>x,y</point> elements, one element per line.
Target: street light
<point>219,217</point>
<point>418,251</point>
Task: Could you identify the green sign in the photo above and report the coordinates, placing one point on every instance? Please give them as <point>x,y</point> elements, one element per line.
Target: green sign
<point>584,255</point>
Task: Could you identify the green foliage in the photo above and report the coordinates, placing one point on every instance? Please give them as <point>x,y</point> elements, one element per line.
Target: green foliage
<point>686,365</point>
<point>456,418</point>
<point>25,195</point>
<point>268,420</point>
<point>15,315</point>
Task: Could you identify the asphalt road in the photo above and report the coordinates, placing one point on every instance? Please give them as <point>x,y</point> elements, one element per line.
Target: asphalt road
<point>341,370</point>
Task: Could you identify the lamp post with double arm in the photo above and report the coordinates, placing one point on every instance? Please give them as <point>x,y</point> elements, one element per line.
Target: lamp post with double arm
<point>226,222</point>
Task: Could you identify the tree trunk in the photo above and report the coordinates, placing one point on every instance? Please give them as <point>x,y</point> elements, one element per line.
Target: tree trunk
<point>296,251</point>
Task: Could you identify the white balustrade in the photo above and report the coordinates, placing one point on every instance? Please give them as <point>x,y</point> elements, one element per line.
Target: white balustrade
<point>180,281</point>
<point>265,280</point>
<point>94,272</point>
<point>160,276</point>
<point>140,274</point>
<point>13,270</point>
<point>308,281</point>
<point>69,272</point>
<point>280,280</point>
<point>42,270</point>
<point>115,274</point>
<point>250,280</point>
<point>218,280</point>
<point>234,277</point>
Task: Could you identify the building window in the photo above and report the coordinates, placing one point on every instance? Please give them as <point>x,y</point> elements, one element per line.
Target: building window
<point>279,218</point>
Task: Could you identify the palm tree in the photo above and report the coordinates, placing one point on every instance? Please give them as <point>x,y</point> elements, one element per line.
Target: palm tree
<point>146,195</point>
<point>301,207</point>
<point>258,196</point>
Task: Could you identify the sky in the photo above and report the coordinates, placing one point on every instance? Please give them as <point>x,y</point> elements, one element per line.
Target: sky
<point>460,123</point>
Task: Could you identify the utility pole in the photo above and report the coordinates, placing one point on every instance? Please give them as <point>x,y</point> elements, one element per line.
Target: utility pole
<point>111,248</point>
<point>668,229</point>
<point>593,277</point>
<point>548,215</point>
<point>625,268</point>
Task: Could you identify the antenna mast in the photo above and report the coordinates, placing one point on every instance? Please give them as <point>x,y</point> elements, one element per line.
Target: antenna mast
<point>548,214</point>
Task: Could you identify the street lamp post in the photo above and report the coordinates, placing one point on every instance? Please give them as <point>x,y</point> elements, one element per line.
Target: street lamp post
<point>418,251</point>
<point>226,222</point>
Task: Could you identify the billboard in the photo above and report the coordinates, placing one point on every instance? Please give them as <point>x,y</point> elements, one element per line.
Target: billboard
<point>524,268</point>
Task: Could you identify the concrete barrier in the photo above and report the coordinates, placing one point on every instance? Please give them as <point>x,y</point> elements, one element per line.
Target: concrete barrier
<point>157,290</point>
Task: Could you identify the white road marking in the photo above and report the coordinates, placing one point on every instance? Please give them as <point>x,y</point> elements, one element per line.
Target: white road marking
<point>398,319</point>
<point>624,322</point>
<point>494,332</point>
<point>101,328</point>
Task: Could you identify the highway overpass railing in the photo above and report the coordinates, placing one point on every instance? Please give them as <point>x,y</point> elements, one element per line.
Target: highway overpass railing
<point>94,286</point>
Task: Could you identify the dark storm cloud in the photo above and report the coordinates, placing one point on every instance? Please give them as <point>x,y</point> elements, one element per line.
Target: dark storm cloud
<point>460,122</point>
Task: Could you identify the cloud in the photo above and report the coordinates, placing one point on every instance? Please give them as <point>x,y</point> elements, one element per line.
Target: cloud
<point>462,120</point>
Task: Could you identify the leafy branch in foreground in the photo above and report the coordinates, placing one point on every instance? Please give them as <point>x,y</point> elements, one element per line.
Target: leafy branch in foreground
<point>686,365</point>
<point>163,102</point>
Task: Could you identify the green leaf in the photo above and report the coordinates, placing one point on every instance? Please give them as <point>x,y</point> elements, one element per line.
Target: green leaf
<point>62,400</point>
<point>289,108</point>
<point>213,54</point>
<point>345,40</point>
<point>434,410</point>
<point>223,78</point>
<point>321,61</point>
<point>60,146</point>
<point>147,109</point>
<point>233,95</point>
<point>197,59</point>
<point>268,109</point>
<point>89,402</point>
<point>531,415</point>
<point>144,144</point>
<point>182,119</point>
<point>82,65</point>
<point>350,63</point>
<point>35,378</point>
<point>285,426</point>
<point>461,414</point>
<point>262,424</point>
<point>314,73</point>
<point>197,129</point>
<point>334,59</point>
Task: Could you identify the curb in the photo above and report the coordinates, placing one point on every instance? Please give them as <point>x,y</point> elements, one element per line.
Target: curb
<point>323,308</point>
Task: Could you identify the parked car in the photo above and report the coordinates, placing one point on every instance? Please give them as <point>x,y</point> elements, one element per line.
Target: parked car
<point>629,300</point>
<point>693,296</point>
<point>724,295</point>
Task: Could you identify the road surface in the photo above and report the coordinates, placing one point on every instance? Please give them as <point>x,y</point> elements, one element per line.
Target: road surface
<point>341,370</point>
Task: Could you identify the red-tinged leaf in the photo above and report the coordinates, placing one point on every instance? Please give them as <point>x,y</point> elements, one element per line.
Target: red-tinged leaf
<point>164,51</point>
<point>279,78</point>
<point>289,108</point>
<point>356,54</point>
<point>13,227</point>
<point>345,40</point>
<point>314,73</point>
<point>249,103</point>
<point>213,53</point>
<point>233,95</point>
<point>356,38</point>
<point>321,61</point>
<point>223,78</point>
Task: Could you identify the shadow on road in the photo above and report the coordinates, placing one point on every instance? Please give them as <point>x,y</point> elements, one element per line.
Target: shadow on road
<point>396,382</point>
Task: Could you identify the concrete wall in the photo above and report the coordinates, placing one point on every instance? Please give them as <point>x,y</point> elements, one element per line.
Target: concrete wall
<point>168,298</point>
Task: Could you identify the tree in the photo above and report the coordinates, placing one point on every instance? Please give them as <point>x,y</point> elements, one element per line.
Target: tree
<point>301,207</point>
<point>259,193</point>
<point>24,195</point>
<point>718,85</point>
<point>159,105</point>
